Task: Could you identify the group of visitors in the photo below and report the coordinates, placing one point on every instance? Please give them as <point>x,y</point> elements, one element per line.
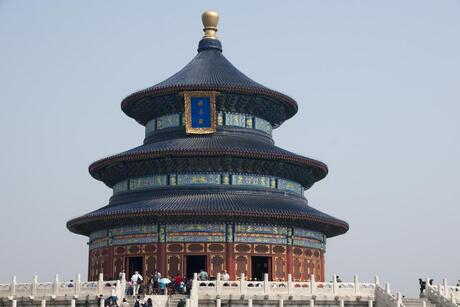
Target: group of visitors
<point>422,284</point>
<point>156,284</point>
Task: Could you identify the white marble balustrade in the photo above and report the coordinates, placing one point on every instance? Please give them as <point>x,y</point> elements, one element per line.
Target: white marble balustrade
<point>443,295</point>
<point>58,288</point>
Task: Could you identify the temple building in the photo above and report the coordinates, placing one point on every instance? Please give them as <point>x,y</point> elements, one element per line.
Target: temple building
<point>208,189</point>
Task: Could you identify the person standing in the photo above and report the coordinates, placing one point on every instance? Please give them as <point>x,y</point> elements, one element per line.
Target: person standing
<point>224,276</point>
<point>156,280</point>
<point>203,275</point>
<point>178,280</point>
<point>136,279</point>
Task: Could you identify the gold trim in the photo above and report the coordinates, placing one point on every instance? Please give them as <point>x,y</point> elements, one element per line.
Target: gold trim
<point>188,116</point>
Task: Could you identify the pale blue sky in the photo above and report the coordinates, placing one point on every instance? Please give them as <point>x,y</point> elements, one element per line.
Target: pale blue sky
<point>378,87</point>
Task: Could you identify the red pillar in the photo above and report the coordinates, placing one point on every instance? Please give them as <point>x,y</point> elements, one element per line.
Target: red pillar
<point>289,259</point>
<point>323,269</point>
<point>230,260</point>
<point>111,271</point>
<point>162,266</point>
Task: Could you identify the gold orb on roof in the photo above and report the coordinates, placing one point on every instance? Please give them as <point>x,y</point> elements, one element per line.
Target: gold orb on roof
<point>210,20</point>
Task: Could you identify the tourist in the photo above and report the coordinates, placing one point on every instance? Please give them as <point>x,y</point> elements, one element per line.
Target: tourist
<point>121,274</point>
<point>162,284</point>
<point>178,280</point>
<point>124,303</point>
<point>188,286</point>
<point>149,303</point>
<point>138,302</point>
<point>224,276</point>
<point>203,276</point>
<point>136,279</point>
<point>156,279</point>
<point>422,286</point>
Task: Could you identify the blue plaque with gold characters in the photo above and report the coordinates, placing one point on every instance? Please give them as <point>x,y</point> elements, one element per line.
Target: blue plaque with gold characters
<point>200,112</point>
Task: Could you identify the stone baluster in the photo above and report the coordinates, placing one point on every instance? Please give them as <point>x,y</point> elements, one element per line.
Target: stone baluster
<point>312,285</point>
<point>123,284</point>
<point>266,285</point>
<point>398,299</point>
<point>218,302</point>
<point>72,303</point>
<point>218,284</point>
<point>444,282</point>
<point>194,291</point>
<point>387,288</point>
<point>33,286</point>
<point>427,285</point>
<point>100,284</point>
<point>77,285</point>
<point>43,303</point>
<point>356,285</point>
<point>334,284</point>
<point>290,285</point>
<point>423,303</point>
<point>377,280</point>
<point>281,302</point>
<point>13,303</point>
<point>312,303</point>
<point>242,284</point>
<point>452,298</point>
<point>56,285</point>
<point>342,303</point>
<point>187,303</point>
<point>370,303</point>
<point>118,290</point>
<point>101,302</point>
<point>13,286</point>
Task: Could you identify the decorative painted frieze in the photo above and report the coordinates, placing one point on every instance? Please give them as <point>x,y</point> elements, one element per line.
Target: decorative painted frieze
<point>289,185</point>
<point>191,179</point>
<point>147,182</point>
<point>207,232</point>
<point>229,119</point>
<point>251,180</point>
<point>156,181</point>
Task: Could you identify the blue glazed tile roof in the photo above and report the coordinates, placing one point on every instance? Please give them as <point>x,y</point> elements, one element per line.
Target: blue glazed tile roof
<point>210,70</point>
<point>211,204</point>
<point>211,145</point>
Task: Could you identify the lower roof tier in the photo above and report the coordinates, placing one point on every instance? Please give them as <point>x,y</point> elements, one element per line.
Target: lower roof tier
<point>222,151</point>
<point>208,205</point>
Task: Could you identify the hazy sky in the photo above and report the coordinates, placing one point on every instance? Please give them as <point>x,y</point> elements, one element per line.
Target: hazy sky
<point>378,88</point>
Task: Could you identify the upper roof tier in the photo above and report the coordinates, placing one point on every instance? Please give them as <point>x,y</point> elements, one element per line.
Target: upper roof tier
<point>209,70</point>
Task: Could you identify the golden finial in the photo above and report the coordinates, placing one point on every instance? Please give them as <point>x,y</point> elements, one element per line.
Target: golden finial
<point>210,20</point>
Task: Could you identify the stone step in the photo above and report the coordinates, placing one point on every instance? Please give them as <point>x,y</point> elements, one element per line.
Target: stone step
<point>417,302</point>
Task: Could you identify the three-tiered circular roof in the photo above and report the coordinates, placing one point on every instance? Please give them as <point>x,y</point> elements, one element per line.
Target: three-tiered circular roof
<point>209,71</point>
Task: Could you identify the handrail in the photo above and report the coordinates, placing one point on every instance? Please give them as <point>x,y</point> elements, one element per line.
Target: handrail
<point>59,288</point>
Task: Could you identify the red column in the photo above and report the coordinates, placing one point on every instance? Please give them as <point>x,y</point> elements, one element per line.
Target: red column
<point>89,266</point>
<point>162,266</point>
<point>111,264</point>
<point>289,260</point>
<point>230,260</point>
<point>323,269</point>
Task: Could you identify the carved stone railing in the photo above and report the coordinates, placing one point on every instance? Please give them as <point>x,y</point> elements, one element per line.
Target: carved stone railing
<point>311,290</point>
<point>384,298</point>
<point>443,295</point>
<point>57,288</point>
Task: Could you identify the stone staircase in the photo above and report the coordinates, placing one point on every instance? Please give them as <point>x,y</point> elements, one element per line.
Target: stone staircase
<point>417,302</point>
<point>174,299</point>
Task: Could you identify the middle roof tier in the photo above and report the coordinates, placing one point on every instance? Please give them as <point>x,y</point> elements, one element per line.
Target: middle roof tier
<point>224,151</point>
